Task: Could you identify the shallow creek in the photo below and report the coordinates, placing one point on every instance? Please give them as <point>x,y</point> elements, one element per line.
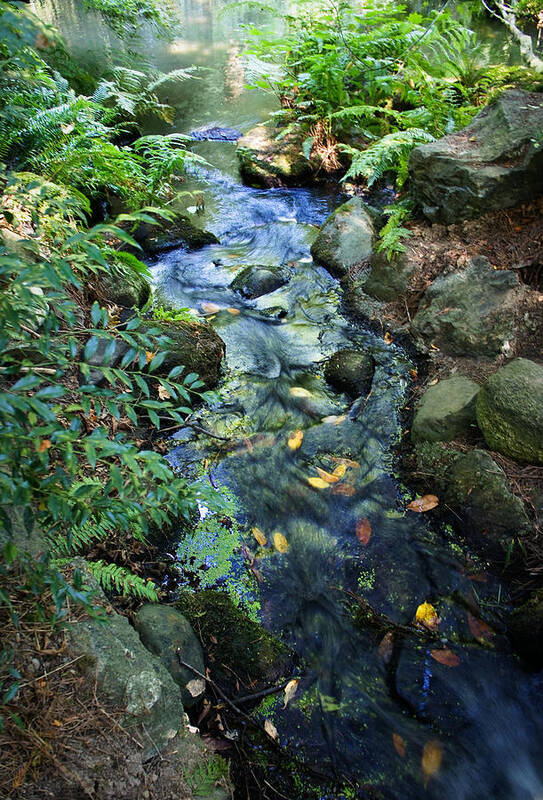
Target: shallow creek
<point>383,720</point>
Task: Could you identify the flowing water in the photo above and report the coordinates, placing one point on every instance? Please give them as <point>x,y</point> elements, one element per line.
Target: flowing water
<point>381,719</point>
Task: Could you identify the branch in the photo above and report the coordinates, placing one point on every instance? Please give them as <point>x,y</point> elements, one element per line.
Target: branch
<point>507,16</point>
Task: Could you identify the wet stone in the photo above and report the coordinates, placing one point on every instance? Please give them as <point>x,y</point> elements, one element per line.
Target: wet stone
<point>350,371</point>
<point>254,281</point>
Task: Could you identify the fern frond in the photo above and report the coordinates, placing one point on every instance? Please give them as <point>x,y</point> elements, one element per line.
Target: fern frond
<point>121,580</point>
<point>175,75</point>
<point>389,154</point>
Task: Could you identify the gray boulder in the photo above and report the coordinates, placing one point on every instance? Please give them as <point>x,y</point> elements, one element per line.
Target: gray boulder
<point>255,281</point>
<point>346,238</point>
<point>389,280</point>
<point>266,160</point>
<point>496,162</point>
<point>164,631</point>
<point>167,234</point>
<point>350,371</point>
<point>510,411</point>
<point>471,312</point>
<point>447,410</point>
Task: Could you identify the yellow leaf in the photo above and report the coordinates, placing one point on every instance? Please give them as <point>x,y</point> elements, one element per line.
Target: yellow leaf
<point>340,470</point>
<point>210,308</point>
<point>259,536</point>
<point>279,542</point>
<point>432,756</point>
<point>45,444</point>
<point>426,615</point>
<point>163,393</point>
<point>295,440</point>
<point>270,729</point>
<point>149,356</point>
<point>290,691</point>
<point>318,483</point>
<point>334,420</point>
<point>57,723</point>
<point>328,477</point>
<point>422,504</point>
<point>299,391</point>
<point>234,311</point>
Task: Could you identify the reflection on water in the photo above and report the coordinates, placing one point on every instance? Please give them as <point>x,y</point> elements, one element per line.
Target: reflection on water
<point>362,710</point>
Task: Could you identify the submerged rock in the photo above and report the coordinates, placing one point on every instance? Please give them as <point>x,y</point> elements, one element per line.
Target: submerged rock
<point>164,631</point>
<point>471,312</point>
<point>447,410</point>
<point>266,160</point>
<point>195,345</point>
<point>510,411</point>
<point>346,238</point>
<point>496,162</point>
<point>350,371</point>
<point>125,289</point>
<point>254,281</point>
<point>168,234</point>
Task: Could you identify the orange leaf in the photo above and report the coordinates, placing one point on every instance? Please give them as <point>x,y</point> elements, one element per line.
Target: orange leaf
<point>45,444</point>
<point>363,531</point>
<point>234,311</point>
<point>295,440</point>
<point>446,657</point>
<point>386,647</point>
<point>327,476</point>
<point>344,488</point>
<point>210,308</point>
<point>388,338</point>
<point>480,630</point>
<point>432,756</point>
<point>425,503</point>
<point>346,462</point>
<point>399,744</point>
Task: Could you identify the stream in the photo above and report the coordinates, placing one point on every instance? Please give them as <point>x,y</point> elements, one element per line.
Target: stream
<point>395,720</point>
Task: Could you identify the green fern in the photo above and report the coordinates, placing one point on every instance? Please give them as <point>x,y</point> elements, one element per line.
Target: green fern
<point>391,234</point>
<point>389,154</point>
<point>121,580</point>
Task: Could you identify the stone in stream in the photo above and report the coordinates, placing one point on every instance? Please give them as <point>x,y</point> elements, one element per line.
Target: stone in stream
<point>471,312</point>
<point>346,238</point>
<point>164,631</point>
<point>128,289</point>
<point>446,410</point>
<point>266,160</point>
<point>510,411</point>
<point>254,281</point>
<point>215,133</point>
<point>195,345</point>
<point>350,371</point>
<point>496,162</point>
<point>167,234</point>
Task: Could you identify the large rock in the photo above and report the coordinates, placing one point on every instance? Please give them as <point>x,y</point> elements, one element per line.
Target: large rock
<point>389,280</point>
<point>126,289</point>
<point>167,234</point>
<point>510,411</point>
<point>350,371</point>
<point>255,281</point>
<point>195,345</point>
<point>471,312</point>
<point>496,162</point>
<point>164,631</point>
<point>447,410</point>
<point>266,160</point>
<point>346,238</point>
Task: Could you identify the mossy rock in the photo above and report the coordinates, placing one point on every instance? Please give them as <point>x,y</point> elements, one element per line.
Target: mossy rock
<point>267,161</point>
<point>254,281</point>
<point>510,411</point>
<point>346,238</point>
<point>389,280</point>
<point>167,234</point>
<point>125,289</point>
<point>195,345</point>
<point>350,371</point>
<point>446,410</point>
<point>237,642</point>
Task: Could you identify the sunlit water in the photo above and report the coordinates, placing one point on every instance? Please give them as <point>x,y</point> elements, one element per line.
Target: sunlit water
<point>351,706</point>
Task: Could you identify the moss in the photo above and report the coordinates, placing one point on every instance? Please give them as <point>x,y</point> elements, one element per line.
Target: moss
<point>435,460</point>
<point>125,289</point>
<point>238,643</point>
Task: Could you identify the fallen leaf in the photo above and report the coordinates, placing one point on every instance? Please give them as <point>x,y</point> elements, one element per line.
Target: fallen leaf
<point>318,483</point>
<point>346,462</point>
<point>433,383</point>
<point>45,444</point>
<point>163,393</point>
<point>66,129</point>
<point>196,686</point>
<point>446,657</point>
<point>414,374</point>
<point>333,419</point>
<point>270,729</point>
<point>340,470</point>
<point>259,536</point>
<point>399,744</point>
<point>363,531</point>
<point>279,542</point>
<point>344,488</point>
<point>388,338</point>
<point>149,356</point>
<point>290,691</point>
<point>424,503</point>
<point>386,647</point>
<point>210,308</point>
<point>426,615</point>
<point>57,723</point>
<point>480,630</point>
<point>328,477</point>
<point>299,391</point>
<point>432,756</point>
<point>295,440</point>
<point>234,311</point>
